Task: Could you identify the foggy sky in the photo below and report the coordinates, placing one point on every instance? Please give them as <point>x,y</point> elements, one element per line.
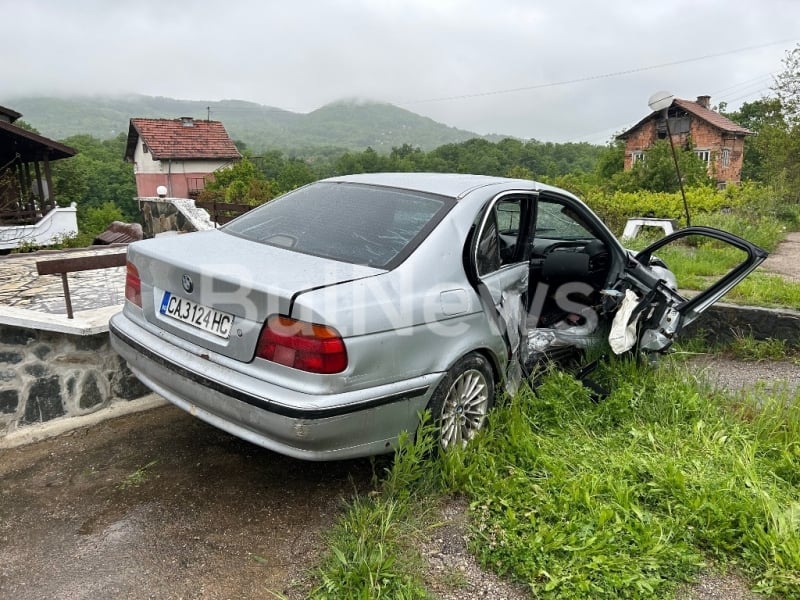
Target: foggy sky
<point>532,69</point>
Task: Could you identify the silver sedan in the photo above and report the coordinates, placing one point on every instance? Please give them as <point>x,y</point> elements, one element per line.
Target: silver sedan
<point>321,324</point>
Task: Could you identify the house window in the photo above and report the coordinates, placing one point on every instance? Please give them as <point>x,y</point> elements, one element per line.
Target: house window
<point>145,149</point>
<point>725,157</point>
<point>637,156</point>
<point>704,155</point>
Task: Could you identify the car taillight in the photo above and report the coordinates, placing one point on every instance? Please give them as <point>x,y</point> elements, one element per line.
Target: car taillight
<point>301,345</point>
<point>133,285</point>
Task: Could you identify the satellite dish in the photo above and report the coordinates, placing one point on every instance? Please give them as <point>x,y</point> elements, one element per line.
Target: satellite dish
<point>660,101</point>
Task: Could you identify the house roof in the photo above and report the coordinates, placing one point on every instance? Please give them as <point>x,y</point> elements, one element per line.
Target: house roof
<point>701,112</point>
<point>26,146</point>
<point>12,115</point>
<point>181,139</point>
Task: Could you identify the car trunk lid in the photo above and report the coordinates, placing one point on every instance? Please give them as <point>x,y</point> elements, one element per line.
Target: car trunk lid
<point>216,290</point>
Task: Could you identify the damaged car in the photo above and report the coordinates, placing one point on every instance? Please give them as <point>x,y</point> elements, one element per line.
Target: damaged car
<point>322,323</point>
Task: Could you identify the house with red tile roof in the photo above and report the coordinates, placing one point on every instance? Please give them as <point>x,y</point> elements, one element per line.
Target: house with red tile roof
<point>179,154</point>
<point>716,140</point>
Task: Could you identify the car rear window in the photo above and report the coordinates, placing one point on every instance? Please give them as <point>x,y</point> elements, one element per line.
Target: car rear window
<point>359,224</point>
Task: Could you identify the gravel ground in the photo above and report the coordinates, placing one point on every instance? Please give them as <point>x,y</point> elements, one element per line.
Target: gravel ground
<point>733,375</point>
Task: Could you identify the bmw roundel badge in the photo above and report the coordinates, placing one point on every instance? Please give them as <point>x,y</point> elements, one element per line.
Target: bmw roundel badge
<point>186,281</point>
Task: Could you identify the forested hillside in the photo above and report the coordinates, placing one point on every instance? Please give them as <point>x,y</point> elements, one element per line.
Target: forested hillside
<point>346,125</point>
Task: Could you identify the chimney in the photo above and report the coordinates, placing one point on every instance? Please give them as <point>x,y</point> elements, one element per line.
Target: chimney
<point>187,121</point>
<point>704,101</point>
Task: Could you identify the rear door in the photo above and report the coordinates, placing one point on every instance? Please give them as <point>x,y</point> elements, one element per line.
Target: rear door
<point>664,307</point>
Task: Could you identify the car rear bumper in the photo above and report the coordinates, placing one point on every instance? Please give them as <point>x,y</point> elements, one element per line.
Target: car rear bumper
<point>311,427</point>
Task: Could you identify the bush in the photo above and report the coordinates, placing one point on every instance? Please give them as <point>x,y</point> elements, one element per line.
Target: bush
<point>752,203</point>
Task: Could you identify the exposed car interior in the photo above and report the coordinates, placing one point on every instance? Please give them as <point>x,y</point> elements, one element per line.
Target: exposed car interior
<point>565,250</point>
<point>569,263</point>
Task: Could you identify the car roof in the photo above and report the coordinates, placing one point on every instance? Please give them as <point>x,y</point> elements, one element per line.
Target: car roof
<point>453,185</point>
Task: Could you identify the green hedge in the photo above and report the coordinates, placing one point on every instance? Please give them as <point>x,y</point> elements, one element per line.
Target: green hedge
<point>748,201</point>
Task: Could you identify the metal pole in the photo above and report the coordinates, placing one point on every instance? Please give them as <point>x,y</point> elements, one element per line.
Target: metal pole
<point>677,169</point>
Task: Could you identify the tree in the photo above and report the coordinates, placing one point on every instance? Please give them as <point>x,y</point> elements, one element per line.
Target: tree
<point>241,183</point>
<point>26,126</point>
<point>657,172</point>
<point>787,86</point>
<point>294,174</point>
<point>97,175</point>
<point>611,160</point>
<point>765,117</point>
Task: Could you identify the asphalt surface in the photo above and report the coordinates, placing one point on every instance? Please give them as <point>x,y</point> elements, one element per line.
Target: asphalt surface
<point>159,505</point>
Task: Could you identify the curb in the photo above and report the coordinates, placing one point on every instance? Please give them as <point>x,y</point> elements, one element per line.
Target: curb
<point>725,322</point>
<point>29,434</point>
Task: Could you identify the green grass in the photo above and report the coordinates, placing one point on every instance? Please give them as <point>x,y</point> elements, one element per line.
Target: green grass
<point>698,264</point>
<point>629,497</point>
<point>138,477</point>
<point>748,349</point>
<point>625,498</point>
<point>373,550</point>
<point>764,289</point>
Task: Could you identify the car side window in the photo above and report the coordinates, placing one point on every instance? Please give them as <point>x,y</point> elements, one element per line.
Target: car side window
<point>488,250</point>
<point>557,221</point>
<point>498,244</point>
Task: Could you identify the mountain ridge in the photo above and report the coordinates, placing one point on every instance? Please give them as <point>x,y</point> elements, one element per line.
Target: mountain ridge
<point>349,124</point>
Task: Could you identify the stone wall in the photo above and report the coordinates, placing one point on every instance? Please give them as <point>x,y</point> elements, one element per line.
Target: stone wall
<point>723,322</point>
<point>46,375</point>
<point>179,215</point>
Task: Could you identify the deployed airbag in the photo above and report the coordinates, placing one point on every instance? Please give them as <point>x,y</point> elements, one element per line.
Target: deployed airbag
<point>623,328</point>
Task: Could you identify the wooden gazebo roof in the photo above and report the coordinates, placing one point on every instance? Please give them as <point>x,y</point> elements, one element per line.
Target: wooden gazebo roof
<point>27,146</point>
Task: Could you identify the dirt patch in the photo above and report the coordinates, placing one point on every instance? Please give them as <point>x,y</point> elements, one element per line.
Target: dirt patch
<point>452,572</point>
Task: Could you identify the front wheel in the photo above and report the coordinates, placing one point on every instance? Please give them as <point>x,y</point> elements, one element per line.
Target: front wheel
<point>462,400</point>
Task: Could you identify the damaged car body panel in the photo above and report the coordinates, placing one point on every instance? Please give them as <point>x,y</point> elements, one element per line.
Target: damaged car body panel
<point>322,323</point>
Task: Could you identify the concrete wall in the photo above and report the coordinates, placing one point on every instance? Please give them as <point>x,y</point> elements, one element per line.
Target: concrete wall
<point>51,229</point>
<point>45,375</point>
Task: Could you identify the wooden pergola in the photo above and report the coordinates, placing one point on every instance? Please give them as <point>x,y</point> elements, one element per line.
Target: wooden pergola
<point>26,181</point>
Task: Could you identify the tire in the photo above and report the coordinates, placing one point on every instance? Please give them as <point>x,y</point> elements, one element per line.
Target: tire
<point>462,400</point>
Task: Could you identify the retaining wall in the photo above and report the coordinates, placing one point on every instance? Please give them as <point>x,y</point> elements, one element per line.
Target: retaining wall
<point>46,375</point>
<point>165,215</point>
<point>723,322</point>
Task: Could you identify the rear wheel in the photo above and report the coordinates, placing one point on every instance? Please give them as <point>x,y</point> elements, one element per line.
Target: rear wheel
<point>462,400</point>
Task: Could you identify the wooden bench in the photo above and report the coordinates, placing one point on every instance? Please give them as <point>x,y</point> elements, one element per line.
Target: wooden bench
<point>634,226</point>
<point>62,266</point>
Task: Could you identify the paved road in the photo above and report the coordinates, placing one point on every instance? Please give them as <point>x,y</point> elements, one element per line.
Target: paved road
<point>159,505</point>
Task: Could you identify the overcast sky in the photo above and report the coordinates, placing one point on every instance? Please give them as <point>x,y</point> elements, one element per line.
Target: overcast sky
<point>553,70</point>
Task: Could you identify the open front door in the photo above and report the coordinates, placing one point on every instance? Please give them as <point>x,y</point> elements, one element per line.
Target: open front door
<point>663,307</point>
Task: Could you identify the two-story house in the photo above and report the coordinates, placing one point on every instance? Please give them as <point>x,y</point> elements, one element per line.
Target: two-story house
<point>178,154</point>
<point>716,140</point>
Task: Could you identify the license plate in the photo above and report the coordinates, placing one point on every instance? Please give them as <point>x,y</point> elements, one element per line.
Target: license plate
<point>200,316</point>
